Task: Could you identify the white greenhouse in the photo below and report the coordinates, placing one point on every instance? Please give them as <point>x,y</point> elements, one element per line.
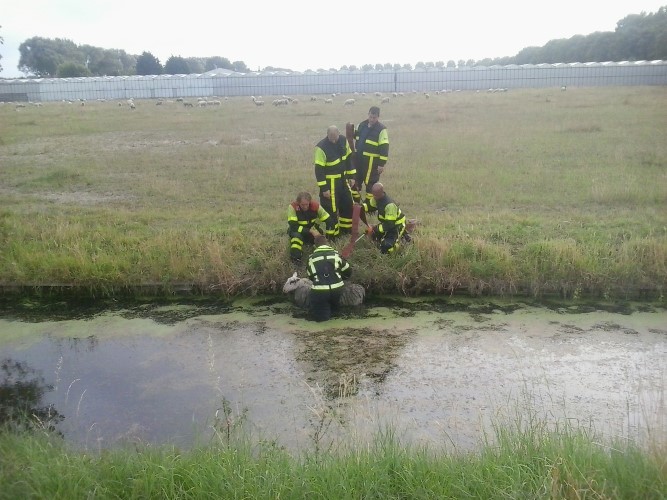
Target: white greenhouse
<point>228,83</point>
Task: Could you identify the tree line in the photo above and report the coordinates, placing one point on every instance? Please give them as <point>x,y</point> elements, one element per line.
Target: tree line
<point>637,37</point>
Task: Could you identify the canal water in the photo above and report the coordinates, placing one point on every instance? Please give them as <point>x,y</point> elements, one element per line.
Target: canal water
<point>438,372</point>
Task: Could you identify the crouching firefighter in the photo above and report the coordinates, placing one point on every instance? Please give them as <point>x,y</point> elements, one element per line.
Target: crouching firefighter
<point>392,222</point>
<point>303,218</point>
<point>326,269</point>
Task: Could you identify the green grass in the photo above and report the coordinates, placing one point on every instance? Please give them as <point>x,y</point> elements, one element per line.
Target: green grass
<point>532,191</point>
<point>523,461</point>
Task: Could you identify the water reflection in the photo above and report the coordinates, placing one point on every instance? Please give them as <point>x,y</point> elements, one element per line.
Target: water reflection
<point>22,391</point>
<point>181,374</point>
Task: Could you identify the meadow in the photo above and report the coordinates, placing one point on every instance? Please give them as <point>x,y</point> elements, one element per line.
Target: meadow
<point>530,192</point>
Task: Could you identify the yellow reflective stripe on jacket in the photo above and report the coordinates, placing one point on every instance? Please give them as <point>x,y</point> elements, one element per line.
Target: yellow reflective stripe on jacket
<point>384,137</point>
<point>329,287</point>
<point>321,159</point>
<point>393,215</point>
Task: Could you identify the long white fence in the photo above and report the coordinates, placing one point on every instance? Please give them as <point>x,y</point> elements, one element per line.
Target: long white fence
<point>227,83</point>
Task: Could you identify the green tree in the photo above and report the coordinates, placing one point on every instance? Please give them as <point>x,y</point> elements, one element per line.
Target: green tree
<point>102,62</point>
<point>176,65</point>
<point>196,64</point>
<point>642,35</point>
<point>217,62</point>
<point>42,56</point>
<point>128,63</point>
<point>72,70</point>
<point>240,67</point>
<point>148,64</point>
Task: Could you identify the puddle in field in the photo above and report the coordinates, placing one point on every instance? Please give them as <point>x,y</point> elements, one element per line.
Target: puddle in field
<point>439,372</point>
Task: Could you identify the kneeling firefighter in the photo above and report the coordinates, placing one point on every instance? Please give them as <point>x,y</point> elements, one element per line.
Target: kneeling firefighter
<point>303,218</point>
<point>326,269</point>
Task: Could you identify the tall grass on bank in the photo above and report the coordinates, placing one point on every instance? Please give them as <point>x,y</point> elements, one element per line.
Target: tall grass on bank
<point>533,191</point>
<point>523,462</point>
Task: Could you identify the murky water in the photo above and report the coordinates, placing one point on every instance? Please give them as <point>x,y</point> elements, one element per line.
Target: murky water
<point>439,373</point>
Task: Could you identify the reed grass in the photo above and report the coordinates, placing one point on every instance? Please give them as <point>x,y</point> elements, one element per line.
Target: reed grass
<point>530,192</point>
<point>526,460</point>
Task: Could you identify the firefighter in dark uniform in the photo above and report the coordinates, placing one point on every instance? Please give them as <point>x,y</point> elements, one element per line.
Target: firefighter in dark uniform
<point>303,218</point>
<point>371,140</point>
<point>326,269</point>
<point>334,173</point>
<point>391,220</point>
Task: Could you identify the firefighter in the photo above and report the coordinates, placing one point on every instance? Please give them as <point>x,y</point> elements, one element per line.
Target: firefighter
<point>371,153</point>
<point>303,218</point>
<point>334,174</point>
<point>326,269</point>
<point>391,220</point>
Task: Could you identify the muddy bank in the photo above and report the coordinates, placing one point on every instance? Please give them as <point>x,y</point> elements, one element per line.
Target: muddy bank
<point>439,371</point>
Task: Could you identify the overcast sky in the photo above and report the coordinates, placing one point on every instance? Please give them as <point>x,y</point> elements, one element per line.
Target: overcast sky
<point>307,34</point>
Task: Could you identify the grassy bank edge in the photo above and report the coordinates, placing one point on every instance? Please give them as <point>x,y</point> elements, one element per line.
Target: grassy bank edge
<point>532,462</point>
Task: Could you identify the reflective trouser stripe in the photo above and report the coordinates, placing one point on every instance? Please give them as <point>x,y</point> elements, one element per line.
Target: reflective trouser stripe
<point>328,287</point>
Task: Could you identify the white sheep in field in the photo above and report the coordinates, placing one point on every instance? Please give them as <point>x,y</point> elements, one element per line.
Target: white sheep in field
<point>299,289</point>
<point>384,99</point>
<point>328,101</point>
<point>349,102</point>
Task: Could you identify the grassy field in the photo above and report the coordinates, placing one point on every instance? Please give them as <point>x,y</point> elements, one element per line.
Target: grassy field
<point>527,192</point>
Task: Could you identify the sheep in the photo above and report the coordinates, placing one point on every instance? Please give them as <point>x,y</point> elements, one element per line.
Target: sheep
<point>328,101</point>
<point>384,99</point>
<point>299,289</point>
<point>257,102</point>
<point>349,102</point>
